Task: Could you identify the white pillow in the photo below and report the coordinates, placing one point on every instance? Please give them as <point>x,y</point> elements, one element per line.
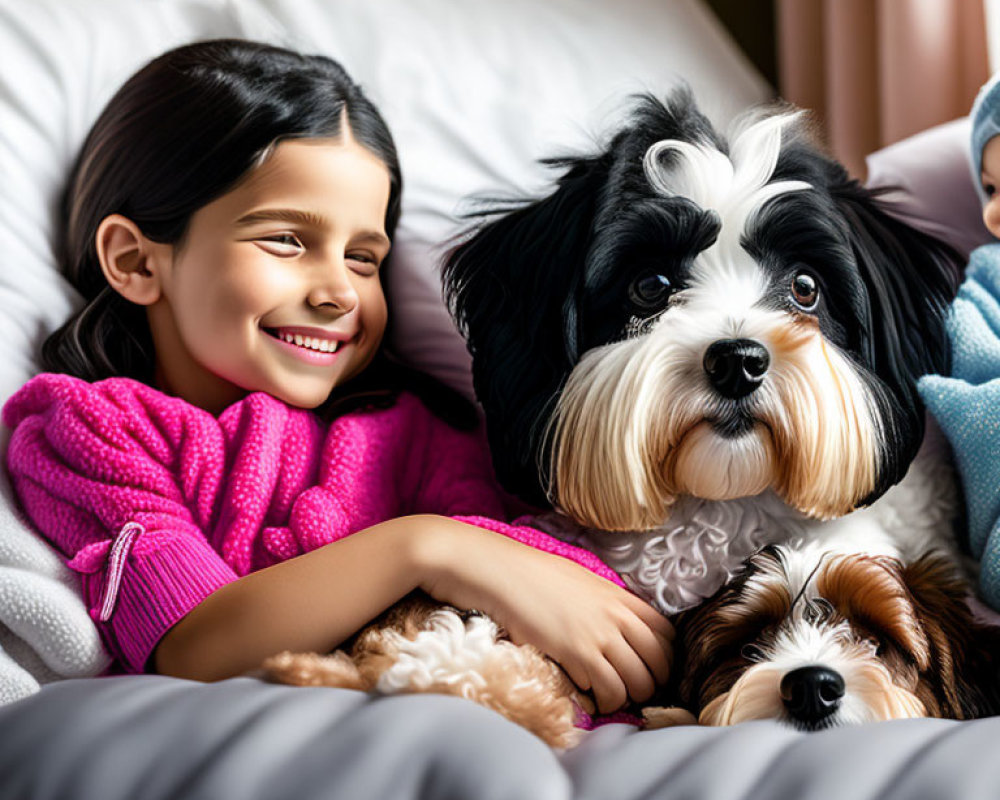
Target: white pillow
<point>475,92</point>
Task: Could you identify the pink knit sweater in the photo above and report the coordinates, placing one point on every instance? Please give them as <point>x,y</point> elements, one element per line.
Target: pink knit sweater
<point>157,503</point>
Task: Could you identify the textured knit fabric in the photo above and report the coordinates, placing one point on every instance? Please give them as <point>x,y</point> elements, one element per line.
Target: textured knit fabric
<point>966,405</point>
<point>218,498</point>
<point>985,116</point>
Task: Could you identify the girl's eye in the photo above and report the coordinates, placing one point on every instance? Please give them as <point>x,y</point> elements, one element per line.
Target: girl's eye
<point>283,244</point>
<point>989,189</point>
<point>805,291</point>
<point>365,263</point>
<point>650,291</point>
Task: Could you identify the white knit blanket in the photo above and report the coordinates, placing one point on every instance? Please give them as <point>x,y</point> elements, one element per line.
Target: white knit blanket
<point>45,631</point>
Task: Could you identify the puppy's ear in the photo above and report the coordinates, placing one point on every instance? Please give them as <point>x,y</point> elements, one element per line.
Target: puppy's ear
<point>964,673</point>
<point>910,278</point>
<point>506,288</point>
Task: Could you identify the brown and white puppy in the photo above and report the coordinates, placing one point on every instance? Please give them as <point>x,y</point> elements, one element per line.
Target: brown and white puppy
<point>816,638</point>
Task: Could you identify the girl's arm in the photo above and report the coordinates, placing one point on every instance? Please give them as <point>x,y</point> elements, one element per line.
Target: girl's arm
<point>312,602</point>
<point>606,639</point>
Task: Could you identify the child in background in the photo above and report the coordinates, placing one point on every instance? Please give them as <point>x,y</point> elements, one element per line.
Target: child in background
<point>966,404</point>
<point>221,447</point>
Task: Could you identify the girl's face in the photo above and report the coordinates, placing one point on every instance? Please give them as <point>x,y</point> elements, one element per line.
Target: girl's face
<point>991,185</point>
<point>276,287</point>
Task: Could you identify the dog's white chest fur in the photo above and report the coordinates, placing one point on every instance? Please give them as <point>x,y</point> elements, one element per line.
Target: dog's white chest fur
<point>705,543</point>
<point>700,548</point>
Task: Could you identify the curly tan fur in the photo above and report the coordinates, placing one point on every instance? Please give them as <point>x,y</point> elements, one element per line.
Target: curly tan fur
<point>516,681</point>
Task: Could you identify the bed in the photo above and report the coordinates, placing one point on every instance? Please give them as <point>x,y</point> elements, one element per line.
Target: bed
<point>475,93</point>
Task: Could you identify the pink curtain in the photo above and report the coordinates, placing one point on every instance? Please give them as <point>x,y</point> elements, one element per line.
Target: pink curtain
<point>877,71</point>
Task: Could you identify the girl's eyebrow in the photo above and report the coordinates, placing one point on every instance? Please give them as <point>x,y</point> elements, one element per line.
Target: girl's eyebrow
<point>283,215</point>
<point>302,217</point>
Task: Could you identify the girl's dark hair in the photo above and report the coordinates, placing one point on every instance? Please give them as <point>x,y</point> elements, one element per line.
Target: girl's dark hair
<point>180,133</point>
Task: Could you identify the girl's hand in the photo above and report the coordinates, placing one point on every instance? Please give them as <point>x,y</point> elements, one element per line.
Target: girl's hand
<point>608,640</point>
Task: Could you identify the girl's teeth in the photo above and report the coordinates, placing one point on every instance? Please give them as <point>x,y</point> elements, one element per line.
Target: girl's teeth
<point>322,345</point>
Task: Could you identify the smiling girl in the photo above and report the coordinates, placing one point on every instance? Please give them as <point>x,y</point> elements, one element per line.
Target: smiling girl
<point>221,447</point>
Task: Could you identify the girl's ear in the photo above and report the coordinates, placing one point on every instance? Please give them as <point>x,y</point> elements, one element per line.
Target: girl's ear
<point>129,260</point>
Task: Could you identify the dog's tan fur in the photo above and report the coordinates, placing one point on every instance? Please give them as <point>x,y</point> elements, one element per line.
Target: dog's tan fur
<point>516,681</point>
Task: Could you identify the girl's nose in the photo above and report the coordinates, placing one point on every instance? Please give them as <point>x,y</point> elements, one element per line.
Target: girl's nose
<point>333,288</point>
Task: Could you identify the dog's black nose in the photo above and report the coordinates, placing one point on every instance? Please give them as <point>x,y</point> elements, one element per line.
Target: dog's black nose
<point>812,693</point>
<point>736,367</point>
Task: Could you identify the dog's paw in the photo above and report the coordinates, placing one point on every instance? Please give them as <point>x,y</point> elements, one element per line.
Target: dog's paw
<point>312,669</point>
<point>666,717</point>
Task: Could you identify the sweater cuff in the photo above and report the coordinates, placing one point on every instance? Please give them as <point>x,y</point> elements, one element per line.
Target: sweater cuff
<point>158,588</point>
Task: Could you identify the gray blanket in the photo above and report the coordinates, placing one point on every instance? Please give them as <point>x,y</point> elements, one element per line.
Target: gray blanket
<point>152,737</point>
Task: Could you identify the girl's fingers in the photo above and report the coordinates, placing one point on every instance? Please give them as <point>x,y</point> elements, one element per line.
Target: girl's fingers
<point>577,674</point>
<point>607,685</point>
<point>632,671</point>
<point>653,618</point>
<point>655,649</point>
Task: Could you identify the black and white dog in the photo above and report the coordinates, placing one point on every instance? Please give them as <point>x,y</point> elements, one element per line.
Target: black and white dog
<point>712,346</point>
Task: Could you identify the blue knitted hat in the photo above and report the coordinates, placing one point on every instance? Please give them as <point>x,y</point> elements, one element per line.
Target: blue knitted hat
<point>985,116</point>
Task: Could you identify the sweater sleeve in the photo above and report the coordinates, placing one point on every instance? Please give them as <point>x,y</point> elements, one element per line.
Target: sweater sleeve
<point>97,469</point>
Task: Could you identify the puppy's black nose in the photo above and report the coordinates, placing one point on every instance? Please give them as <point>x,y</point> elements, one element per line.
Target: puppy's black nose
<point>736,367</point>
<point>812,693</point>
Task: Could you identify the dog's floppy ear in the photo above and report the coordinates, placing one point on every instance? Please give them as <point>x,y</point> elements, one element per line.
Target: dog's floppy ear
<point>506,288</point>
<point>910,278</point>
<point>964,673</point>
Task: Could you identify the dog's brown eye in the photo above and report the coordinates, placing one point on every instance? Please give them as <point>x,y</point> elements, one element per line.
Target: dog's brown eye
<point>805,291</point>
<point>650,291</point>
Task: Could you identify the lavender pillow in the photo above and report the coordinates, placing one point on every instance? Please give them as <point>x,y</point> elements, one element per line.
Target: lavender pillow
<point>936,193</point>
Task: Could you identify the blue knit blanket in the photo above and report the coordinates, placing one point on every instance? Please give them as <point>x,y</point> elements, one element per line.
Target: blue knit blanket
<point>966,405</point>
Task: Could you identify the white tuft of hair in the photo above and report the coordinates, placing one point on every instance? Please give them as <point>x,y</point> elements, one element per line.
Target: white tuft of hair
<point>735,185</point>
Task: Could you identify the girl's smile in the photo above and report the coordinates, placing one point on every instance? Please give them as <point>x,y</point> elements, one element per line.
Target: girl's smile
<point>275,287</point>
<point>312,345</point>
